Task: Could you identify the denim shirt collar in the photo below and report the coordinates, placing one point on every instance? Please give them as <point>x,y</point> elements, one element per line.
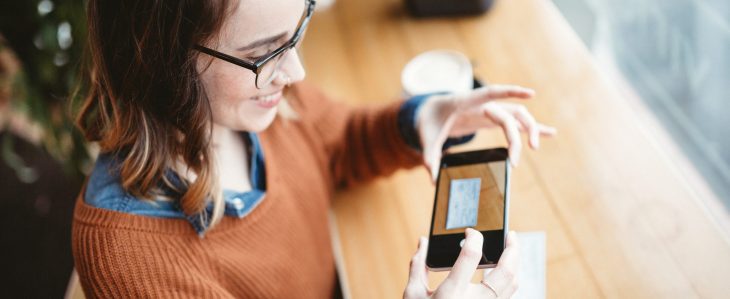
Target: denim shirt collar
<point>104,191</point>
<point>238,204</point>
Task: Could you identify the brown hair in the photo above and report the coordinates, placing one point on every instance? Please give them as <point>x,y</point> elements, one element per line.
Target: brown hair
<point>144,98</point>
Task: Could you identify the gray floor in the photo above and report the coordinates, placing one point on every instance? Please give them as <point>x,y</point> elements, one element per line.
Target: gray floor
<point>676,56</point>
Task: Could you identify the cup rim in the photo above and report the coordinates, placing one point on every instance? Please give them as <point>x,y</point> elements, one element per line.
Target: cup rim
<point>407,75</point>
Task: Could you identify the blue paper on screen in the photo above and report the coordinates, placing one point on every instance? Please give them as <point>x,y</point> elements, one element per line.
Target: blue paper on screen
<point>463,203</point>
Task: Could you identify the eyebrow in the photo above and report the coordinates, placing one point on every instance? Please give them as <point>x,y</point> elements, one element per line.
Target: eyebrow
<point>261,42</point>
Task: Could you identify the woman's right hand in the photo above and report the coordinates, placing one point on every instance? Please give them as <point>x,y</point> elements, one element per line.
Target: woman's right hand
<point>501,282</point>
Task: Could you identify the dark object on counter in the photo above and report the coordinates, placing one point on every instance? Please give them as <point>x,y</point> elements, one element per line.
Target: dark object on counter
<point>434,8</point>
<point>478,83</point>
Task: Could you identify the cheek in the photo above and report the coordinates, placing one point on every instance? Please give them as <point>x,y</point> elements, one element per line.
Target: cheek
<point>224,81</point>
<point>229,92</point>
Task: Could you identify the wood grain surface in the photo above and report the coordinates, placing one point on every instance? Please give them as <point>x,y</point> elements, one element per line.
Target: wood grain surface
<point>626,215</point>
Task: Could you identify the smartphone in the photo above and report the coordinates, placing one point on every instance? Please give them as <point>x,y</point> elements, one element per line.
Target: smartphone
<point>472,191</point>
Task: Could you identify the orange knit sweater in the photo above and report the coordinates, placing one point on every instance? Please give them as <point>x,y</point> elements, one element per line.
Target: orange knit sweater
<point>282,248</point>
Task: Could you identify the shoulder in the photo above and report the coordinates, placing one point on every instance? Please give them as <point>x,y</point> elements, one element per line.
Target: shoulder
<point>104,190</point>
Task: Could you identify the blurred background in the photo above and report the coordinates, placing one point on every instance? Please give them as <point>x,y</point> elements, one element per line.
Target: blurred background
<point>672,54</point>
<point>42,157</point>
<point>675,56</point>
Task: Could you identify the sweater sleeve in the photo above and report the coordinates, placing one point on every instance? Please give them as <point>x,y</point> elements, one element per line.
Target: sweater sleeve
<point>361,143</point>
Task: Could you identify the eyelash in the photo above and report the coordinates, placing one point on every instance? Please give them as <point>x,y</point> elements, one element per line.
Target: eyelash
<point>256,58</point>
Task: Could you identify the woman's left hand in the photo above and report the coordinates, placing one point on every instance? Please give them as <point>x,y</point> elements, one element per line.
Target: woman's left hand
<point>454,115</point>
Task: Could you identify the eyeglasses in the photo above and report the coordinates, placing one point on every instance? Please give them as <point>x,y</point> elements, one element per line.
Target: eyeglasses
<point>266,68</point>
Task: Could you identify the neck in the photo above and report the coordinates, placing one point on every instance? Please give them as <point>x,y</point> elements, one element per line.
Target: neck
<point>231,158</point>
<point>222,136</point>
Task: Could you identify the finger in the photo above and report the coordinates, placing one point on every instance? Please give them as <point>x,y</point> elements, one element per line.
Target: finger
<point>511,249</point>
<point>418,262</point>
<point>529,123</point>
<point>547,130</point>
<point>417,286</point>
<point>511,130</point>
<point>468,260</point>
<point>493,92</point>
<point>503,281</point>
<point>510,254</point>
<point>504,277</point>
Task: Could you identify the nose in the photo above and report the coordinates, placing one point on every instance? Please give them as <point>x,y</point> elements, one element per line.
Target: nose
<point>291,69</point>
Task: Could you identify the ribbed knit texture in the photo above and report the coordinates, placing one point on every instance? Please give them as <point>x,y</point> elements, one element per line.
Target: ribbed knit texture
<point>280,250</point>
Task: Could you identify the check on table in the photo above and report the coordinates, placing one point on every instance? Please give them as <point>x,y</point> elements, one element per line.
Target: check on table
<point>624,213</point>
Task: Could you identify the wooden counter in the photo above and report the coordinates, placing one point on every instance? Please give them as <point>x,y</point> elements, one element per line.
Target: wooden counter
<point>626,215</point>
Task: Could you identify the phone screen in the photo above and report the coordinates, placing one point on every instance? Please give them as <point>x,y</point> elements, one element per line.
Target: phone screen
<point>474,196</point>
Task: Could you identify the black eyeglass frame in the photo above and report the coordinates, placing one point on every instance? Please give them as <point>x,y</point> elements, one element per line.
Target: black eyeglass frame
<point>257,65</point>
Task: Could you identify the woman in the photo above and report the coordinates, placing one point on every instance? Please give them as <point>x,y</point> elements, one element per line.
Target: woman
<point>216,169</point>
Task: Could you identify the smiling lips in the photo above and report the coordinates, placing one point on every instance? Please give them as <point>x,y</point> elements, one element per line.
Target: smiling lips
<point>268,101</point>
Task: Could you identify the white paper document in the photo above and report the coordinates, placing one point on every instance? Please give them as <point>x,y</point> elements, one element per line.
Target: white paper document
<point>531,275</point>
<point>463,203</point>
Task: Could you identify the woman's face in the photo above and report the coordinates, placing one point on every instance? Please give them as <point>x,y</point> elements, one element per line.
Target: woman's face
<point>255,28</point>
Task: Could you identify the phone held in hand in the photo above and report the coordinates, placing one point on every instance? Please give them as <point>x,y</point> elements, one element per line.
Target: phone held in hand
<point>472,191</point>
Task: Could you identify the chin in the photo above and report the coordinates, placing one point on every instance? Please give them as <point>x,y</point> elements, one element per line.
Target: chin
<point>262,122</point>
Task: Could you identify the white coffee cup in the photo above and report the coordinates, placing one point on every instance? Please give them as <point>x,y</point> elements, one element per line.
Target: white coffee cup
<point>437,71</point>
<point>324,4</point>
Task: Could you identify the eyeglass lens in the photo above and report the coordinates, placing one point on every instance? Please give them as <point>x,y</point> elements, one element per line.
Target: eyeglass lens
<point>270,70</point>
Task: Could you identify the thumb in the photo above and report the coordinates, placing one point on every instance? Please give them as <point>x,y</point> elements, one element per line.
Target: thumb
<point>418,262</point>
<point>433,147</point>
<point>417,286</point>
<point>432,159</point>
